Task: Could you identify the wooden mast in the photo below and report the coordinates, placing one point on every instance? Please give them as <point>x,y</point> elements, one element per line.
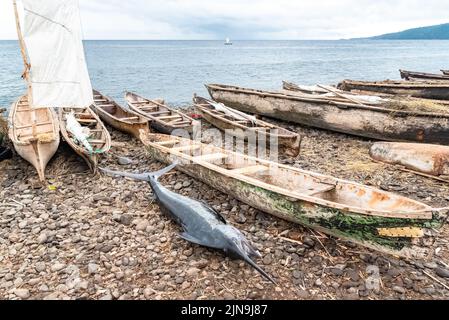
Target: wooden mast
<point>26,73</point>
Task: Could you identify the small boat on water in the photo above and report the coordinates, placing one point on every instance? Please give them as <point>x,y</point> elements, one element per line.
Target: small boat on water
<point>93,139</point>
<point>416,120</point>
<point>162,118</point>
<point>445,72</point>
<point>411,75</point>
<point>34,134</point>
<point>242,124</point>
<point>118,117</point>
<point>364,215</point>
<point>430,90</point>
<point>426,158</point>
<point>228,42</point>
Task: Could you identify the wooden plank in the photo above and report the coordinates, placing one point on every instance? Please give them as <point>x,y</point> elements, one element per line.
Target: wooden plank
<point>35,124</point>
<point>211,157</point>
<point>186,148</point>
<point>167,143</point>
<point>96,141</point>
<point>158,113</point>
<point>129,118</point>
<point>316,191</point>
<point>169,117</point>
<point>87,120</point>
<point>251,169</point>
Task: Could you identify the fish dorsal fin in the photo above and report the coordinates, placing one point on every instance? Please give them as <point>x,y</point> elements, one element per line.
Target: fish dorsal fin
<point>214,212</point>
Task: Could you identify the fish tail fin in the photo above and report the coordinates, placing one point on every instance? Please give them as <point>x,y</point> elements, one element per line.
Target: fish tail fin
<point>259,269</point>
<point>156,175</point>
<point>135,176</point>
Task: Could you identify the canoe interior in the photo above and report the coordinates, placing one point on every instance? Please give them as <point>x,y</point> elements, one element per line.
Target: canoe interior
<point>115,111</point>
<point>99,137</point>
<point>162,117</point>
<point>296,183</point>
<point>205,106</point>
<point>23,130</point>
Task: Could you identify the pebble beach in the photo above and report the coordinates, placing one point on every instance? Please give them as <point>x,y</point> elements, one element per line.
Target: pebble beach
<point>90,236</point>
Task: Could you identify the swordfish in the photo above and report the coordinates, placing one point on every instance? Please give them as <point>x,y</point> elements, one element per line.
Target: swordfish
<point>202,225</point>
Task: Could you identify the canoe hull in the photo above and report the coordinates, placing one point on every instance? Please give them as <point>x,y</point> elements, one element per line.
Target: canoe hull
<point>90,158</point>
<point>437,91</point>
<point>133,129</point>
<point>411,75</point>
<point>355,121</point>
<point>289,146</point>
<point>360,229</point>
<point>38,151</point>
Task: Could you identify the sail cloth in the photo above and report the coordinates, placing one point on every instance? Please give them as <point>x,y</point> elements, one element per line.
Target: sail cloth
<point>52,34</point>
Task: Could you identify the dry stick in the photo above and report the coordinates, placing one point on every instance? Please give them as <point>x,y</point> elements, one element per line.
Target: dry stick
<point>291,240</point>
<point>321,243</point>
<point>423,174</point>
<point>437,280</point>
<point>341,95</point>
<point>402,168</point>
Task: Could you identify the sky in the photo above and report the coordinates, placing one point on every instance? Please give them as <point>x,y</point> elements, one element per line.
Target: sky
<point>245,19</point>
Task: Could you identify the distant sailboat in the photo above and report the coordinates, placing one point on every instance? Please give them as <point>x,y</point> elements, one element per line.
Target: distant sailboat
<point>228,42</point>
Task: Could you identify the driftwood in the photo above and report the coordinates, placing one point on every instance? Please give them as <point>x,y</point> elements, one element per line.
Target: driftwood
<point>424,158</point>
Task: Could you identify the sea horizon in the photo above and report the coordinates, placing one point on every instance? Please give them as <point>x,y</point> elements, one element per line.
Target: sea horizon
<point>175,69</point>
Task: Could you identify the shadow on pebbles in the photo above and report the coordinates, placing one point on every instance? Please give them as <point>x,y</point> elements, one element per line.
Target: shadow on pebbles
<point>97,237</point>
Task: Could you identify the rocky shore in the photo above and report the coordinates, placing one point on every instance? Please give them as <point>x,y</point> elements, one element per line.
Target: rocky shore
<point>97,237</point>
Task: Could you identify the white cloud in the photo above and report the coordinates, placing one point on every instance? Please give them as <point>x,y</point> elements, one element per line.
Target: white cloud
<point>251,19</point>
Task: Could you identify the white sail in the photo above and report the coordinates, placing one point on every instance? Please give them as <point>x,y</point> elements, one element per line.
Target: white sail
<point>52,34</point>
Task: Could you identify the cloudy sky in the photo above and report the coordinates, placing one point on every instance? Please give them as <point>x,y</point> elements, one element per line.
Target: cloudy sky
<point>249,19</point>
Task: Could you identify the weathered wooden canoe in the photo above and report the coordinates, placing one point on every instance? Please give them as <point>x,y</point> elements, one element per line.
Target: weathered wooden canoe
<point>118,117</point>
<point>34,133</point>
<point>373,218</point>
<point>412,75</point>
<point>425,158</point>
<point>162,118</point>
<point>430,90</point>
<point>99,138</point>
<point>445,72</point>
<point>289,143</point>
<point>390,122</point>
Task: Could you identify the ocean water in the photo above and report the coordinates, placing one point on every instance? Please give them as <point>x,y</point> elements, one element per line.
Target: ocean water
<point>174,70</point>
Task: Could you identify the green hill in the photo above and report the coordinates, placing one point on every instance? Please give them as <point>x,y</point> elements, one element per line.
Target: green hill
<point>438,32</point>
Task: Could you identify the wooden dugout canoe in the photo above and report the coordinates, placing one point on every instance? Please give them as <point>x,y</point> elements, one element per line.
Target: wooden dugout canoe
<point>429,90</point>
<point>34,134</point>
<point>370,217</point>
<point>412,75</point>
<point>425,158</point>
<point>162,118</point>
<point>289,142</point>
<point>99,139</point>
<point>389,122</point>
<point>118,117</point>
